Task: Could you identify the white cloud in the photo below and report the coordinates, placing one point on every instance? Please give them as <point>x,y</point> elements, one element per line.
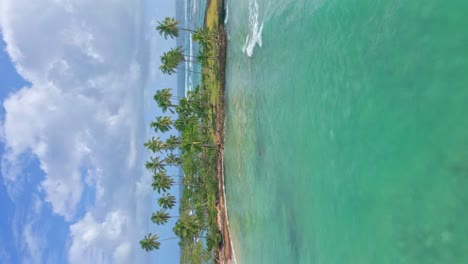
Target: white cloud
<point>81,117</point>
<point>93,239</point>
<point>32,245</point>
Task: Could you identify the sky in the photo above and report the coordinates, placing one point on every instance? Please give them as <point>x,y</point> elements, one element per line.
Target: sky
<point>76,82</point>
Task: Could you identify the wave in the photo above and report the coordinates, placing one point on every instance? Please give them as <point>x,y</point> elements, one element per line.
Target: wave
<point>194,7</point>
<point>226,8</point>
<point>194,17</point>
<point>254,38</point>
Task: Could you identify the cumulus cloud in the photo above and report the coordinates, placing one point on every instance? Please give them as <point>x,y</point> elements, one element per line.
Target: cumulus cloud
<point>81,117</point>
<point>92,236</point>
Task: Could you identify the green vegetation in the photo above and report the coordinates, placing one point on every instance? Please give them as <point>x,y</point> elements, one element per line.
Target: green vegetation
<point>196,146</point>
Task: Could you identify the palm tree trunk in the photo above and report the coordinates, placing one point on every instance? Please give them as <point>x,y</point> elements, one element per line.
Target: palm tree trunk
<point>193,62</point>
<point>186,29</point>
<point>196,56</point>
<point>191,185</point>
<point>189,70</point>
<point>168,238</point>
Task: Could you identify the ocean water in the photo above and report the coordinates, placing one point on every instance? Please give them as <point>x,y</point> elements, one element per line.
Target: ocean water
<point>191,13</point>
<point>347,131</point>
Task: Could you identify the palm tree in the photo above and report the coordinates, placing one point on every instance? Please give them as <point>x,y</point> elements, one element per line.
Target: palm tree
<point>197,102</point>
<point>172,159</point>
<point>155,164</point>
<point>187,227</point>
<point>163,173</point>
<point>163,124</point>
<point>174,57</point>
<point>170,69</point>
<point>167,201</point>
<point>172,142</point>
<point>203,36</point>
<point>161,217</point>
<point>169,28</point>
<point>203,57</point>
<point>185,119</point>
<point>191,141</point>
<point>162,183</point>
<point>171,59</point>
<point>163,99</point>
<point>150,242</point>
<point>180,123</point>
<point>166,69</point>
<point>155,145</point>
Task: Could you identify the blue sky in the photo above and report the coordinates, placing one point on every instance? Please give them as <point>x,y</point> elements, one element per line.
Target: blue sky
<point>76,81</point>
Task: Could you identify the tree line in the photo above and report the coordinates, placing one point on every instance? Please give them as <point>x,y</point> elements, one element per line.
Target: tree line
<point>190,148</point>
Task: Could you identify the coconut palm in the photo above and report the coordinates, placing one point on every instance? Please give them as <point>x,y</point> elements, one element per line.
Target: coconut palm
<point>170,69</point>
<point>170,61</point>
<point>180,123</point>
<point>187,227</point>
<point>163,124</point>
<point>174,57</point>
<point>161,217</point>
<point>203,36</point>
<point>163,173</point>
<point>183,109</point>
<point>172,142</point>
<point>162,183</point>
<point>203,57</point>
<point>155,164</point>
<point>159,174</point>
<point>167,69</point>
<point>150,242</point>
<point>172,159</point>
<point>155,145</point>
<point>167,201</point>
<point>198,103</point>
<point>169,27</point>
<point>163,99</point>
<point>191,140</point>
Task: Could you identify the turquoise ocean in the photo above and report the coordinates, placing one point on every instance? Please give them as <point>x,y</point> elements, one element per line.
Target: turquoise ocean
<point>347,131</point>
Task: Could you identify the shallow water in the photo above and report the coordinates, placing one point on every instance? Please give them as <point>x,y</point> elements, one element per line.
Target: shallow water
<point>347,136</point>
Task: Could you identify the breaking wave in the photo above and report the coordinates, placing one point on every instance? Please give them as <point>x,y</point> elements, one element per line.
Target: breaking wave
<point>254,37</point>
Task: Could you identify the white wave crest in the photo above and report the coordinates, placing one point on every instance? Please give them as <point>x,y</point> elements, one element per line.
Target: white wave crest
<point>254,37</point>
<point>226,8</point>
<point>194,7</point>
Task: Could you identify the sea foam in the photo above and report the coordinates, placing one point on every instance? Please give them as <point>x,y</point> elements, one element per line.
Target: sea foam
<point>226,8</point>
<point>254,37</point>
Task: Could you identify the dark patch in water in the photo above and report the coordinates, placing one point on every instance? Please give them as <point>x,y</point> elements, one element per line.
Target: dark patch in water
<point>293,234</point>
<point>294,245</point>
<point>260,147</point>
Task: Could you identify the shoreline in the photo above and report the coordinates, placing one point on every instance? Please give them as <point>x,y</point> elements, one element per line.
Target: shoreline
<point>224,253</point>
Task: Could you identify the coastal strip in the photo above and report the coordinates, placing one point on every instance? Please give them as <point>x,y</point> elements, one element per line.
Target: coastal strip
<point>214,18</point>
